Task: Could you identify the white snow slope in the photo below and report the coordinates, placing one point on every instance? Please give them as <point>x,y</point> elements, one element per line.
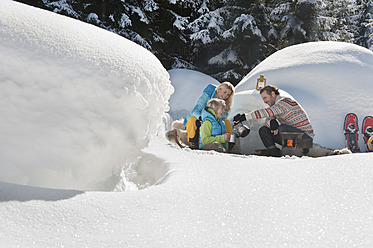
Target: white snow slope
<point>77,102</point>
<point>209,200</point>
<point>206,199</point>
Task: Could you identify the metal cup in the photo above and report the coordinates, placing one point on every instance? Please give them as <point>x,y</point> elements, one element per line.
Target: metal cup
<point>232,138</point>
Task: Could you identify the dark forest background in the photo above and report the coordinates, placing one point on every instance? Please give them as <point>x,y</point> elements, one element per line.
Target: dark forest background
<point>224,39</point>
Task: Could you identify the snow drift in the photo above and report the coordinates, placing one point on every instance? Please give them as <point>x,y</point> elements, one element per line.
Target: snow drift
<point>77,102</point>
<point>329,79</point>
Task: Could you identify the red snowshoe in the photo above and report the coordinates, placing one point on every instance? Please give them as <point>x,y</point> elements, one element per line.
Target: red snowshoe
<point>351,131</point>
<point>367,131</point>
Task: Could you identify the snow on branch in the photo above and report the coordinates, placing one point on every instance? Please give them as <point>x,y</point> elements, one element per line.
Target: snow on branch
<point>210,20</point>
<point>140,13</point>
<point>125,21</point>
<point>225,57</point>
<point>150,5</point>
<point>93,18</point>
<point>203,36</point>
<point>62,6</point>
<point>180,63</point>
<point>241,24</point>
<point>180,22</point>
<point>292,24</point>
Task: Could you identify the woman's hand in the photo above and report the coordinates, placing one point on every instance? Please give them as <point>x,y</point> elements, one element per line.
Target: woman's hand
<point>227,137</point>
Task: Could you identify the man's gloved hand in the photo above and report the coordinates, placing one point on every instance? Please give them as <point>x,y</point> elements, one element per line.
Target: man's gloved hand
<point>239,118</point>
<point>273,124</point>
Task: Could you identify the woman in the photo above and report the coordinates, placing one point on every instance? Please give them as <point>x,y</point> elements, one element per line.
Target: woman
<point>225,92</point>
<point>213,131</point>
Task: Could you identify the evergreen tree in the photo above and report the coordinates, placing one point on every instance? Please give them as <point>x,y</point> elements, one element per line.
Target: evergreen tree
<point>225,39</point>
<point>325,22</point>
<point>365,24</point>
<point>292,22</point>
<point>338,20</point>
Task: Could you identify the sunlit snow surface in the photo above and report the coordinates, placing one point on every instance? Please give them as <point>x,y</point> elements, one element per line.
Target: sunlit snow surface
<point>77,103</point>
<point>209,200</point>
<point>203,199</point>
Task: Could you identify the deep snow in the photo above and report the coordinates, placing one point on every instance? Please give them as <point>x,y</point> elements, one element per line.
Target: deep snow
<point>209,200</point>
<point>77,102</point>
<point>201,199</point>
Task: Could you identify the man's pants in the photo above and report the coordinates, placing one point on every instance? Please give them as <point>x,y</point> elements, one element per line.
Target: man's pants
<point>269,139</point>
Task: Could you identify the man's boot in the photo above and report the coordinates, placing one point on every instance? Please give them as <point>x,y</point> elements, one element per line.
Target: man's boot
<point>272,151</point>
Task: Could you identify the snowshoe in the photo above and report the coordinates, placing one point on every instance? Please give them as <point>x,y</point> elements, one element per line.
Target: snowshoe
<point>367,132</point>
<point>351,132</point>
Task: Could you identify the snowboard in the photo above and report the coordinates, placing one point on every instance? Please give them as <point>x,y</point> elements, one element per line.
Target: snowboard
<point>367,132</point>
<point>351,131</point>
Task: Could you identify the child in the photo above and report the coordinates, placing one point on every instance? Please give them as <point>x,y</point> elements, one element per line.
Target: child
<point>213,130</point>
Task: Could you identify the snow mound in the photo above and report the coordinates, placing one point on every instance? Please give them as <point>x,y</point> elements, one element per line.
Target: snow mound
<point>77,102</point>
<point>329,79</point>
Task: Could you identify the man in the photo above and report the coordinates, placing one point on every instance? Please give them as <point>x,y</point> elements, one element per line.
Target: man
<point>283,115</point>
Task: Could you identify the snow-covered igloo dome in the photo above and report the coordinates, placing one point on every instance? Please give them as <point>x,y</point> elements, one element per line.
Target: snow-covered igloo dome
<point>329,79</point>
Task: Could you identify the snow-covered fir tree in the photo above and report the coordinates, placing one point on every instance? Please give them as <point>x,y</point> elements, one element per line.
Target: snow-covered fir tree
<point>226,38</point>
<point>291,22</point>
<point>345,20</point>
<point>365,22</point>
